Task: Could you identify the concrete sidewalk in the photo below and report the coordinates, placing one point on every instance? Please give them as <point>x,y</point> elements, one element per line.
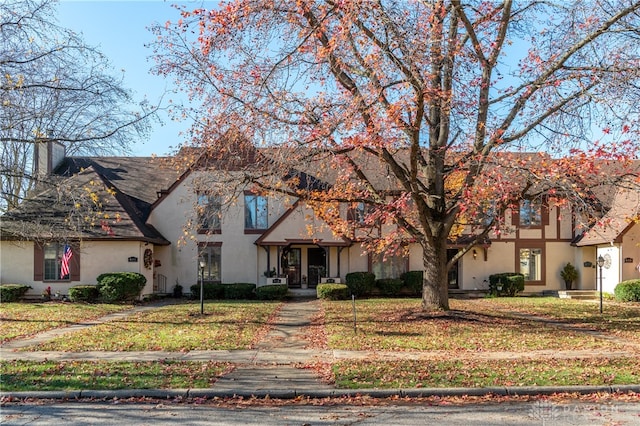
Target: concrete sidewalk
<point>275,367</point>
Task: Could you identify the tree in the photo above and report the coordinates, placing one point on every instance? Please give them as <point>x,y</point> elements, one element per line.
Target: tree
<point>445,98</point>
<point>55,87</point>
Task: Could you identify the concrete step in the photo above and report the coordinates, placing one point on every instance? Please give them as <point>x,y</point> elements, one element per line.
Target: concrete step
<point>455,293</point>
<point>577,294</point>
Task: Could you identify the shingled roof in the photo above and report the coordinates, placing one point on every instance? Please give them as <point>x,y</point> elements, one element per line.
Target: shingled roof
<point>93,198</point>
<point>616,222</point>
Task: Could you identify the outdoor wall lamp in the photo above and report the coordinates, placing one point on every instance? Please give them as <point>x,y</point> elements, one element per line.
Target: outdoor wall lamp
<point>475,254</point>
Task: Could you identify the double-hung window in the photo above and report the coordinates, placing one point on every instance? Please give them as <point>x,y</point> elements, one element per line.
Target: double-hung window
<point>208,210</point>
<point>54,257</point>
<point>256,211</point>
<point>211,257</point>
<point>389,266</point>
<point>530,213</point>
<point>531,263</point>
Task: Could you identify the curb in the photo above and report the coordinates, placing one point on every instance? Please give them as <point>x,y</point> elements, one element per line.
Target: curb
<point>337,393</point>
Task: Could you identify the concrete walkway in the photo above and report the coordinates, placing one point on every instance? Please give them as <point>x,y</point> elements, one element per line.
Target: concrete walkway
<point>275,366</point>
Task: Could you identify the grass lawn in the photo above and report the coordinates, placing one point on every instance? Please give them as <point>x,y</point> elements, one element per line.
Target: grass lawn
<point>618,319</point>
<point>472,325</point>
<point>25,319</point>
<point>226,325</point>
<point>470,373</point>
<point>481,325</point>
<point>101,375</point>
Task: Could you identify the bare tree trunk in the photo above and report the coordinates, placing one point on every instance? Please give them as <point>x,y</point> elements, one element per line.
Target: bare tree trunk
<point>435,287</point>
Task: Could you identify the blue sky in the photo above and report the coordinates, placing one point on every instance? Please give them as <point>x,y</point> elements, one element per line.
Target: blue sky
<point>119,28</point>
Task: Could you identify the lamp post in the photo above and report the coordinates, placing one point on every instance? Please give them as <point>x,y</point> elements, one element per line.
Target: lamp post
<point>202,265</point>
<point>600,262</point>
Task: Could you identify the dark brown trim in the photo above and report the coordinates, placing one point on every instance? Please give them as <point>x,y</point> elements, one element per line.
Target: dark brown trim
<point>38,262</point>
<point>210,244</point>
<point>215,231</point>
<point>532,244</point>
<point>249,231</point>
<point>74,264</point>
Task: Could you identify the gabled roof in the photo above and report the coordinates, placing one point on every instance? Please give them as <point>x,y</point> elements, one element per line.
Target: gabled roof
<point>616,222</point>
<point>93,198</point>
<point>280,232</point>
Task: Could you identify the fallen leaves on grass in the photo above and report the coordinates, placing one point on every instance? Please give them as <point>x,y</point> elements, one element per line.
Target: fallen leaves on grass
<point>400,325</point>
<point>22,375</point>
<point>474,373</point>
<point>228,325</point>
<point>22,319</point>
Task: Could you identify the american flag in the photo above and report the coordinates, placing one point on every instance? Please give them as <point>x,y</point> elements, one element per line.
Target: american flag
<point>64,265</point>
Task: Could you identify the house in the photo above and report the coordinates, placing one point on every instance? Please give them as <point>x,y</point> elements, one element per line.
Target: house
<point>156,217</point>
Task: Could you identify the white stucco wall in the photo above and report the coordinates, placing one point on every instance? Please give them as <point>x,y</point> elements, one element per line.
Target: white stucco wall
<point>631,251</point>
<point>242,260</point>
<point>557,255</point>
<point>586,274</point>
<point>96,257</point>
<point>474,272</point>
<point>16,262</point>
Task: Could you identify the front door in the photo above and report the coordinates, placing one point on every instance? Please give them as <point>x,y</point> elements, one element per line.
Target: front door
<point>453,273</point>
<point>317,265</point>
<point>291,266</point>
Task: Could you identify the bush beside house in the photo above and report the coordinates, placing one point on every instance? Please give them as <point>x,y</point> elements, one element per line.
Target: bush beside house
<point>272,292</point>
<point>389,286</point>
<point>506,284</point>
<point>628,291</point>
<point>413,282</point>
<point>569,274</point>
<point>360,283</point>
<point>121,286</point>
<point>12,292</point>
<point>332,291</point>
<point>234,291</point>
<point>84,293</point>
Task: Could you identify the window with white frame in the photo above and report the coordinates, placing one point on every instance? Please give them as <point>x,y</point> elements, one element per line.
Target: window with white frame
<point>531,263</point>
<point>211,258</point>
<point>255,212</point>
<point>53,258</point>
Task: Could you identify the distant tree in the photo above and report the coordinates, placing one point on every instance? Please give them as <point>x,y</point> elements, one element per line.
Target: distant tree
<point>53,86</point>
<point>442,98</point>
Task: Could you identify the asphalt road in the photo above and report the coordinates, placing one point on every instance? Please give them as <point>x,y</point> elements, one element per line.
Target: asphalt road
<point>160,414</point>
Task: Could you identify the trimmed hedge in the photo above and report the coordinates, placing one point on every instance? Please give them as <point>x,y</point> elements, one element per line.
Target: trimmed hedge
<point>272,292</point>
<point>224,291</point>
<point>210,291</point>
<point>13,292</point>
<point>239,291</point>
<point>389,286</point>
<point>121,286</point>
<point>512,283</point>
<point>360,283</point>
<point>332,291</point>
<point>628,291</point>
<point>413,282</point>
<point>84,293</point>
